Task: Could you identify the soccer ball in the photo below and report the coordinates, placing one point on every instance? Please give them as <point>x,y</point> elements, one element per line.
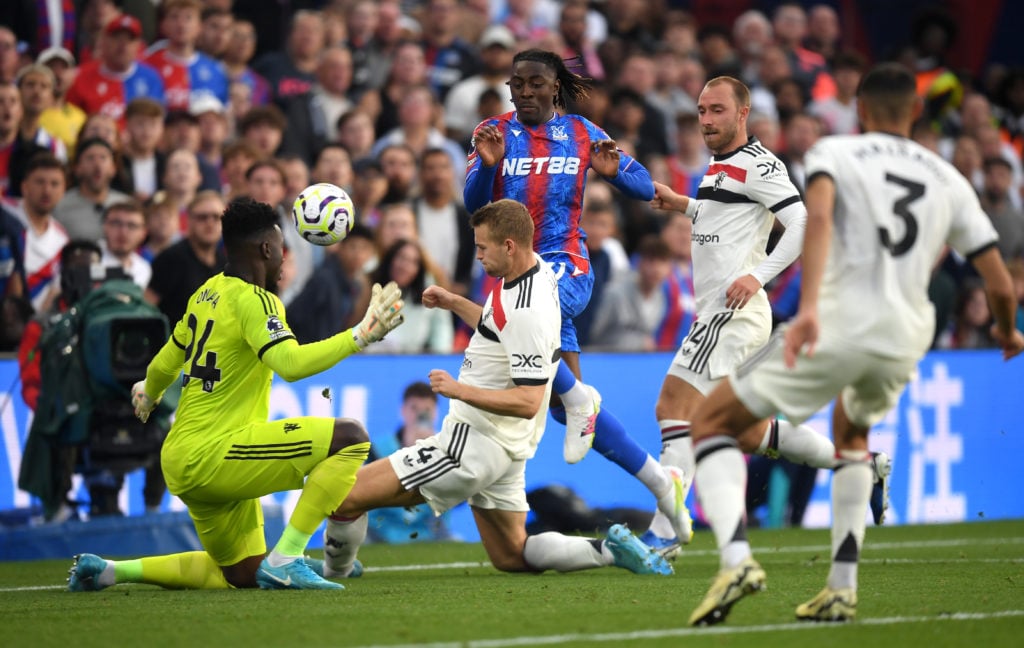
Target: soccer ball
<point>323,214</point>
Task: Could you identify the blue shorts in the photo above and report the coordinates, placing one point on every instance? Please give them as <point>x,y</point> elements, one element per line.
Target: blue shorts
<point>574,290</point>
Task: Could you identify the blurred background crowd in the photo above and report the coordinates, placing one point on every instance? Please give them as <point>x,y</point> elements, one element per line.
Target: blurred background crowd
<point>130,123</point>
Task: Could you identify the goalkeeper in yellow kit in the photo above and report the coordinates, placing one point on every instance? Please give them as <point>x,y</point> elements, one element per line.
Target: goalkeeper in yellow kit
<point>222,454</point>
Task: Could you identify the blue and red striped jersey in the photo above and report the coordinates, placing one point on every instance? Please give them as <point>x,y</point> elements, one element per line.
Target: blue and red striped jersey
<point>545,168</point>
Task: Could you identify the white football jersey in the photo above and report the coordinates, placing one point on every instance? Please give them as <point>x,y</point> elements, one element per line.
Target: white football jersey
<point>515,343</point>
<point>740,193</point>
<point>897,204</point>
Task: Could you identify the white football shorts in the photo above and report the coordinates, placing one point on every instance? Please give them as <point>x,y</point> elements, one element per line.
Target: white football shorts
<point>458,464</point>
<point>870,385</point>
<point>717,343</point>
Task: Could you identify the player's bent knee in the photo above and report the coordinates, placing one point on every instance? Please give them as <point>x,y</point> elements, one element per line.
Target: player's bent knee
<point>509,562</point>
<point>348,432</point>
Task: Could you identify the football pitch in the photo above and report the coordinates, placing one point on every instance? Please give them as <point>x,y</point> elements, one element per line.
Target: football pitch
<point>938,585</point>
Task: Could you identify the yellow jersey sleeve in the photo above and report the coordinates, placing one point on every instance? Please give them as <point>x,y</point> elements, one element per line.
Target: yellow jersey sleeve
<point>262,320</point>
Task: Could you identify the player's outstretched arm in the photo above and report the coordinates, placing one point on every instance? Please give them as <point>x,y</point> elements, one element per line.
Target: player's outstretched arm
<point>163,369</point>
<point>468,311</point>
<point>293,361</point>
<point>1002,300</point>
<point>488,149</point>
<point>523,401</point>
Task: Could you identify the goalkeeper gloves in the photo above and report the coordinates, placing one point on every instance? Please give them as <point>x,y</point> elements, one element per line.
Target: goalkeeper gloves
<point>382,316</point>
<point>143,404</point>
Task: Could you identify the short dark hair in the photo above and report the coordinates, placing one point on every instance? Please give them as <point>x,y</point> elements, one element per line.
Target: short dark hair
<point>359,231</point>
<point>270,115</point>
<point>88,143</point>
<point>270,163</point>
<point>889,91</point>
<point>849,60</point>
<point>653,246</point>
<point>74,246</point>
<point>327,147</point>
<point>994,161</point>
<point>246,220</point>
<point>508,219</point>
<point>129,206</point>
<point>43,160</point>
<point>418,389</point>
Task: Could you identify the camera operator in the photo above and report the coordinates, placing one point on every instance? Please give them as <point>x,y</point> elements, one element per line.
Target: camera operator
<point>47,475</point>
<point>73,368</point>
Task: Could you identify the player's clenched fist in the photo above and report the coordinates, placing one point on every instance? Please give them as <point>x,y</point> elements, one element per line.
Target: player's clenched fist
<point>143,404</point>
<point>382,316</point>
<point>605,157</point>
<point>442,383</point>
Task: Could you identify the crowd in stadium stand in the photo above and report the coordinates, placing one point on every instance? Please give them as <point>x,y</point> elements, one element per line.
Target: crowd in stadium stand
<point>170,104</point>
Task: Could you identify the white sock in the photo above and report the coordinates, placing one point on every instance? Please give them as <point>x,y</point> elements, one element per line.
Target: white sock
<point>851,492</point>
<point>801,444</point>
<point>654,476</point>
<point>565,553</point>
<point>676,450</point>
<point>721,484</point>
<point>278,559</point>
<point>342,539</point>
<point>107,577</point>
<point>577,396</point>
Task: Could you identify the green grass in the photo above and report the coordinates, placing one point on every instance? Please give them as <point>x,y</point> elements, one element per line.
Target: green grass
<point>912,580</point>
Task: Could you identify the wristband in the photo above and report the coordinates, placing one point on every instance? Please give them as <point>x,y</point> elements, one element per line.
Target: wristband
<point>691,207</point>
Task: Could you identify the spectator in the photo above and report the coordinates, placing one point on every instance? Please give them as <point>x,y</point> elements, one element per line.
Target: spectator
<point>333,165</point>
<point>296,177</point>
<point>598,221</point>
<point>690,161</point>
<point>12,256</point>
<point>839,113</point>
<point>8,55</point>
<point>766,129</point>
<point>809,68</point>
<point>81,210</point>
<point>181,180</point>
<point>800,134</point>
<point>369,58</point>
<point>966,158</point>
<point>292,73</point>
<point>263,128</point>
<point>216,32</point>
<point>408,69</point>
<point>417,116</point>
<point>163,227</point>
<point>144,164</point>
<point>181,131</point>
<point>60,459</point>
<point>187,73</point>
<point>368,190</point>
<point>639,75</point>
<point>677,234</point>
<point>425,330</point>
<point>15,152</point>
<point>397,223</point>
<point>124,230</point>
<point>497,46</point>
<point>36,85</point>
<point>413,523</point>
<point>107,84</point>
<point>242,46</point>
<point>187,264</point>
<point>632,310</point>
<point>312,117</point>
<point>42,190</point>
<point>578,40</point>
<point>356,133</point>
<point>995,200</point>
<point>972,319</point>
<point>266,182</point>
<point>238,157</point>
<point>790,98</point>
<point>443,222</point>
<point>62,119</point>
<point>717,53</point>
<point>1009,99</point>
<point>450,59</point>
<point>336,296</point>
<point>213,133</point>
<point>752,35</point>
<point>398,163</point>
<point>823,33</point>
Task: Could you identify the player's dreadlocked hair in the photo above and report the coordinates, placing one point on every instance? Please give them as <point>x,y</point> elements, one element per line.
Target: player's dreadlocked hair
<point>570,84</point>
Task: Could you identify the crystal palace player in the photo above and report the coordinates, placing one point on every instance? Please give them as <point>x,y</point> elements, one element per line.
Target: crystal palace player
<point>540,158</point>
<point>880,210</point>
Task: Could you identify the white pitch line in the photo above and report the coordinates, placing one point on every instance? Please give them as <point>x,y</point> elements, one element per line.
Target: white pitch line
<point>952,542</point>
<point>701,632</point>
